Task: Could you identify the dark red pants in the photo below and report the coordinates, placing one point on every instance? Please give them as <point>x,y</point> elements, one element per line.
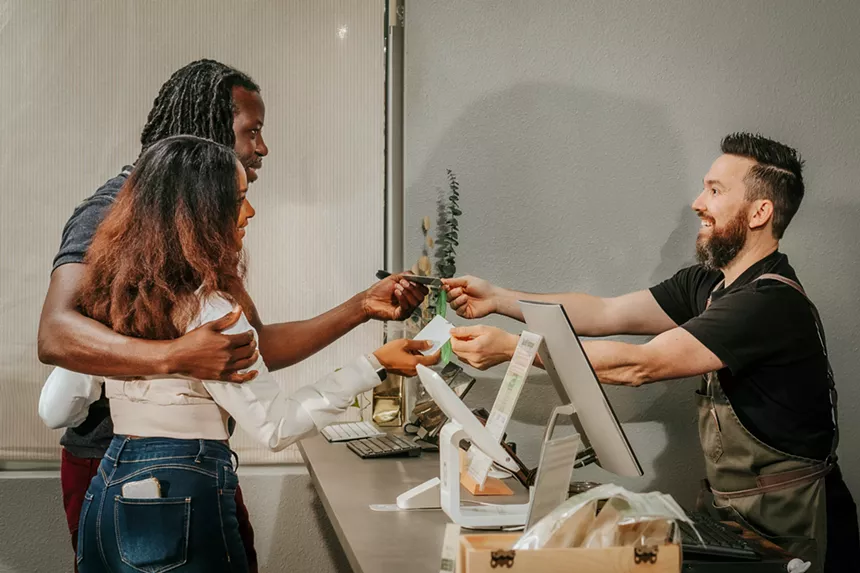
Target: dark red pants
<point>75,476</point>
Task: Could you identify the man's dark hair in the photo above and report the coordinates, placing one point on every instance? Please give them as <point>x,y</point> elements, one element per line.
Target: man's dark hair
<point>197,100</point>
<point>777,175</point>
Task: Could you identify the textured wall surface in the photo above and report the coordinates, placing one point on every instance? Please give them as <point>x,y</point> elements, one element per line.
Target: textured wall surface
<point>580,132</point>
<point>78,82</point>
<point>78,79</point>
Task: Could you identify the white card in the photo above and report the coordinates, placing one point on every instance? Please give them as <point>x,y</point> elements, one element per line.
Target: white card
<point>437,331</point>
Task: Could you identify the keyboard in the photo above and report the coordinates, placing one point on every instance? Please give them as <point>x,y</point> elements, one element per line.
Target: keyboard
<point>347,431</point>
<point>384,447</point>
<point>720,542</point>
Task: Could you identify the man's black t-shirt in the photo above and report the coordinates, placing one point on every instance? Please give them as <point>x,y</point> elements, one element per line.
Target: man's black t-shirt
<point>764,332</point>
<point>92,438</point>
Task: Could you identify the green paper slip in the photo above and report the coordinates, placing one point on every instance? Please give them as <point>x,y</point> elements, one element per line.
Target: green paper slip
<point>441,309</point>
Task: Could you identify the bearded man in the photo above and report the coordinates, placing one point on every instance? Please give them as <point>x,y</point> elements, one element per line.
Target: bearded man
<point>741,320</point>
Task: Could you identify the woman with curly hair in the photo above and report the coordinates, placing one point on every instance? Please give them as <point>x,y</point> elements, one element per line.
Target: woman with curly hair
<point>166,259</point>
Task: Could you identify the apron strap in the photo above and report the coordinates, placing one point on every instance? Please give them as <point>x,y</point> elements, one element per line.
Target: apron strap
<point>830,377</point>
<point>713,290</point>
<point>701,497</point>
<point>780,481</point>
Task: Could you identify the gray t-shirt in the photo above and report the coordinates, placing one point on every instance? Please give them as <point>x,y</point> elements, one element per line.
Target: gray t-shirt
<point>92,438</point>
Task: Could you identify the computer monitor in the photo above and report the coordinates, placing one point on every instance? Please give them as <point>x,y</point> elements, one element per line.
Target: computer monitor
<point>576,383</point>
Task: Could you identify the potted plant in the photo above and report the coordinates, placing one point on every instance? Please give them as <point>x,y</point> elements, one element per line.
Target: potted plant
<point>393,401</point>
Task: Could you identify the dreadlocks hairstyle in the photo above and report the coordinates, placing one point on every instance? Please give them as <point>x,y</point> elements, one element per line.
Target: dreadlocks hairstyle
<point>777,176</point>
<point>171,232</point>
<point>197,100</point>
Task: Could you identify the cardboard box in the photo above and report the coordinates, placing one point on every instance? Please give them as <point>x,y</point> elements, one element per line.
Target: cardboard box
<point>492,553</point>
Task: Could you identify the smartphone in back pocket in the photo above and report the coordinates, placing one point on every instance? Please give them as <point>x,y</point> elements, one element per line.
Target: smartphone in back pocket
<point>142,489</point>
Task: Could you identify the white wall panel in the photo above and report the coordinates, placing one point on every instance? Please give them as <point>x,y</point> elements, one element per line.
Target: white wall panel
<point>77,80</point>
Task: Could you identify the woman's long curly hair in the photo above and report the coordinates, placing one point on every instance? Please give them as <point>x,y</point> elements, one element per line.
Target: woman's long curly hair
<point>171,232</point>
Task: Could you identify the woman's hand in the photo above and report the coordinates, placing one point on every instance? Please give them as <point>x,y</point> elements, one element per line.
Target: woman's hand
<point>402,356</point>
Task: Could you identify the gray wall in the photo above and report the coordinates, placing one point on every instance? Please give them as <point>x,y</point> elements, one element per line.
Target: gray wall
<point>580,132</point>
<point>291,530</point>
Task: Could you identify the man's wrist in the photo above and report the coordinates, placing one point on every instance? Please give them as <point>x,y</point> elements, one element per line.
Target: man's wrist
<point>504,301</point>
<point>359,311</point>
<point>169,362</point>
<point>513,340</point>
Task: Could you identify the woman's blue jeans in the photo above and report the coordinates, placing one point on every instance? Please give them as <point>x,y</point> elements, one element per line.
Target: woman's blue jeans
<point>192,527</point>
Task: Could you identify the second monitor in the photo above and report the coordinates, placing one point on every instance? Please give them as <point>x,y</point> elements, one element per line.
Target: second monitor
<point>576,383</point>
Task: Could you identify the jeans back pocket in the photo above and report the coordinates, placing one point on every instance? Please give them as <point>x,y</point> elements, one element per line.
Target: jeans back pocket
<point>152,534</point>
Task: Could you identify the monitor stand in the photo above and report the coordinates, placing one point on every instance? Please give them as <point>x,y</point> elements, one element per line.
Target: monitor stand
<point>444,493</point>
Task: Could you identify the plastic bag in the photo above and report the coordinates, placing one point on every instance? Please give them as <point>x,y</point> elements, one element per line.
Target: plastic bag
<point>607,516</point>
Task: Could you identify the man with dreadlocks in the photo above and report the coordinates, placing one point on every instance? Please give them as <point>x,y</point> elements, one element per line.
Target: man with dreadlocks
<point>211,100</point>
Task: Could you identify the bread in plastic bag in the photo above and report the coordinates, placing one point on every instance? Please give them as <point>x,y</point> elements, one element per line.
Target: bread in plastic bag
<point>607,516</point>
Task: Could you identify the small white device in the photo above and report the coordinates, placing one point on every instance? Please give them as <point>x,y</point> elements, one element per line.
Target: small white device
<point>458,412</point>
<point>148,488</point>
<point>444,491</point>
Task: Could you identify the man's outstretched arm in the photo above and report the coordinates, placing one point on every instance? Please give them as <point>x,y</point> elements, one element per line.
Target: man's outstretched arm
<point>288,343</point>
<point>633,313</point>
<point>669,356</point>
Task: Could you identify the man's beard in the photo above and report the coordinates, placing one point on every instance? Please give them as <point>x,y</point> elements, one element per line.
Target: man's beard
<point>718,250</point>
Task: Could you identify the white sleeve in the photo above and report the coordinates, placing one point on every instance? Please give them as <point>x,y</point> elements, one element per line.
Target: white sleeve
<point>66,398</point>
<point>274,418</point>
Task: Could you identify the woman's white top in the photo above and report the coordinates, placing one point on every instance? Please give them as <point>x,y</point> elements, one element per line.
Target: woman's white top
<point>187,408</point>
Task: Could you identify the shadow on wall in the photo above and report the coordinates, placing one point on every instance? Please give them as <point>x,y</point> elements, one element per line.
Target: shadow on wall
<point>566,188</point>
<point>679,249</point>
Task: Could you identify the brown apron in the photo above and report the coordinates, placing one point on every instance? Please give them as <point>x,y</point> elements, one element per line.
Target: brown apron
<point>777,495</point>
